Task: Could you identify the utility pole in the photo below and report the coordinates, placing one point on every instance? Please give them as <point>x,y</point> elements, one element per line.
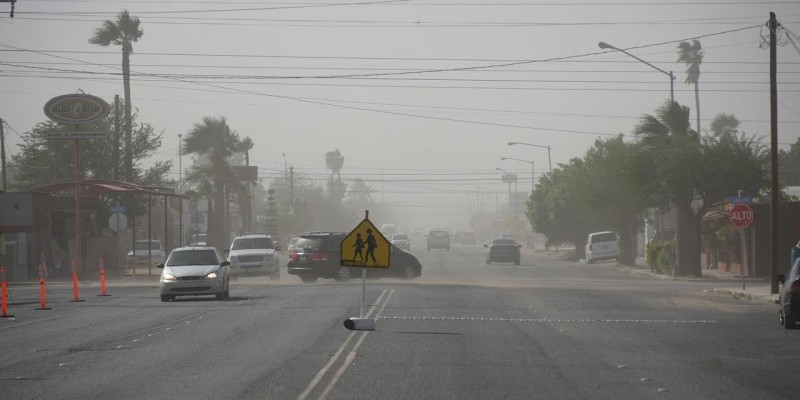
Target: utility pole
<point>773,102</point>
<point>3,153</point>
<point>117,129</point>
<point>291,187</point>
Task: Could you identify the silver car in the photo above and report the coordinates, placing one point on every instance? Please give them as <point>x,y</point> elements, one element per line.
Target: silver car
<point>194,271</point>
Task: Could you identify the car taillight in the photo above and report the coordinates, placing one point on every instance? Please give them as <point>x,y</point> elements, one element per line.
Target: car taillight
<point>293,256</point>
<point>795,286</point>
<point>318,256</point>
<point>590,247</point>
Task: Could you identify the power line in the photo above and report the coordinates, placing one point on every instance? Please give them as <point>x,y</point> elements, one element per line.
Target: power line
<point>220,10</point>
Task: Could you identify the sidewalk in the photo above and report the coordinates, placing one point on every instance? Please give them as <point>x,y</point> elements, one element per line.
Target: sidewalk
<point>752,288</point>
<point>757,289</point>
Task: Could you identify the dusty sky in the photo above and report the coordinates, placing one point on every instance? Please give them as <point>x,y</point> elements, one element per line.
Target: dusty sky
<point>429,136</point>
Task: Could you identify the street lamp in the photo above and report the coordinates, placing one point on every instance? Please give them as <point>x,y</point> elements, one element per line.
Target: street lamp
<point>509,177</point>
<point>533,174</point>
<point>604,45</point>
<point>549,161</point>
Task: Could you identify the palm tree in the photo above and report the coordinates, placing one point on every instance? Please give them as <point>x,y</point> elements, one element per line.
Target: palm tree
<point>244,199</point>
<point>214,140</point>
<point>676,151</point>
<point>334,162</point>
<point>122,32</point>
<point>692,54</point>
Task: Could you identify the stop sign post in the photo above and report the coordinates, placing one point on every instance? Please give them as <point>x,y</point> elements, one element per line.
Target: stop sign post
<point>741,216</point>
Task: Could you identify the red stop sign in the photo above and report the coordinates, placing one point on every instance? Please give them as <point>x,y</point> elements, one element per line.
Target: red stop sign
<point>741,216</point>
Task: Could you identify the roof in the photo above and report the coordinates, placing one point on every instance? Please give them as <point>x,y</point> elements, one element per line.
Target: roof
<point>95,187</point>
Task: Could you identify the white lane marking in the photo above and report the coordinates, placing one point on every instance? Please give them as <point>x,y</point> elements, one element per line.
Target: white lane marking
<point>352,355</point>
<point>636,321</point>
<point>318,377</point>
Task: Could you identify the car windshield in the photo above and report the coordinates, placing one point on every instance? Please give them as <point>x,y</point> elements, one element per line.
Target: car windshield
<point>439,234</point>
<point>252,243</point>
<point>192,257</point>
<point>400,237</point>
<point>503,241</point>
<point>144,246</point>
<point>604,237</point>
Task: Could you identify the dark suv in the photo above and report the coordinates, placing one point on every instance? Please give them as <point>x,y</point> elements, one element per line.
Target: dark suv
<point>317,255</point>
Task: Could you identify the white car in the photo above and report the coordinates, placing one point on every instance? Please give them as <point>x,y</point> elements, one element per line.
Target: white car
<point>255,253</point>
<point>144,250</point>
<point>601,246</point>
<point>195,271</point>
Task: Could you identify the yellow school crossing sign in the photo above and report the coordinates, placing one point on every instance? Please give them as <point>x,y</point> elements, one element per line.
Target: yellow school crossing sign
<point>365,246</point>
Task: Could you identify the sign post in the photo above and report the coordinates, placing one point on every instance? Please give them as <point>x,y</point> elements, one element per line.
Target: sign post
<point>741,216</point>
<point>76,109</point>
<point>364,247</point>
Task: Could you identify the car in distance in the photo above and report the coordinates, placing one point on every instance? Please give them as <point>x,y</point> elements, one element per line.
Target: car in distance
<point>402,241</point>
<point>195,271</point>
<point>601,246</point>
<point>318,255</point>
<point>255,253</point>
<point>388,230</point>
<point>143,250</point>
<point>200,239</point>
<point>503,250</point>
<point>468,238</point>
<point>789,297</point>
<point>439,240</point>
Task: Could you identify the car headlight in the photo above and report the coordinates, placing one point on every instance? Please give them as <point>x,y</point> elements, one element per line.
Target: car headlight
<point>212,275</point>
<point>167,277</point>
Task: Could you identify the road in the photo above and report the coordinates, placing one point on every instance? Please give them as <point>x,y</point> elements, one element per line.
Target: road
<point>546,329</point>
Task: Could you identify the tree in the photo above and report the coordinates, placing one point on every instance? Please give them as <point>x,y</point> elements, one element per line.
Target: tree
<point>618,193</point>
<point>688,166</point>
<point>39,156</point>
<point>692,54</point>
<point>556,209</point>
<point>122,32</point>
<point>789,162</point>
<point>214,140</point>
<point>334,162</point>
<point>359,196</point>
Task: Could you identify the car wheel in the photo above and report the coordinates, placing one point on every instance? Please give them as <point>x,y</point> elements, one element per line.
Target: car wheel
<point>516,262</point>
<point>488,262</point>
<point>343,274</point>
<point>308,279</point>
<point>781,319</point>
<point>166,297</point>
<point>429,248</point>
<point>589,260</point>
<point>220,295</point>
<point>788,320</point>
<point>408,272</point>
<point>448,248</point>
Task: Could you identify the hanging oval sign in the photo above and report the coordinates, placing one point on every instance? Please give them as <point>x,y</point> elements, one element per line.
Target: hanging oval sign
<point>76,108</point>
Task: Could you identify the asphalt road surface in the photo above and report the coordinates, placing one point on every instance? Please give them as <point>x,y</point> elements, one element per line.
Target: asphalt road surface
<point>546,329</point>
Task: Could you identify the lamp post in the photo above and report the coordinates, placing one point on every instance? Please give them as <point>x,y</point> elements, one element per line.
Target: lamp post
<point>180,189</point>
<point>533,173</point>
<point>549,161</point>
<point>509,177</point>
<point>604,45</point>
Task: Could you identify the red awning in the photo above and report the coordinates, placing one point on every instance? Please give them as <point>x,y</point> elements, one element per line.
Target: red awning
<point>95,187</point>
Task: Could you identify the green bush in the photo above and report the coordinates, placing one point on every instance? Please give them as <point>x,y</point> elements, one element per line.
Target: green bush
<point>651,252</point>
<point>657,257</point>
